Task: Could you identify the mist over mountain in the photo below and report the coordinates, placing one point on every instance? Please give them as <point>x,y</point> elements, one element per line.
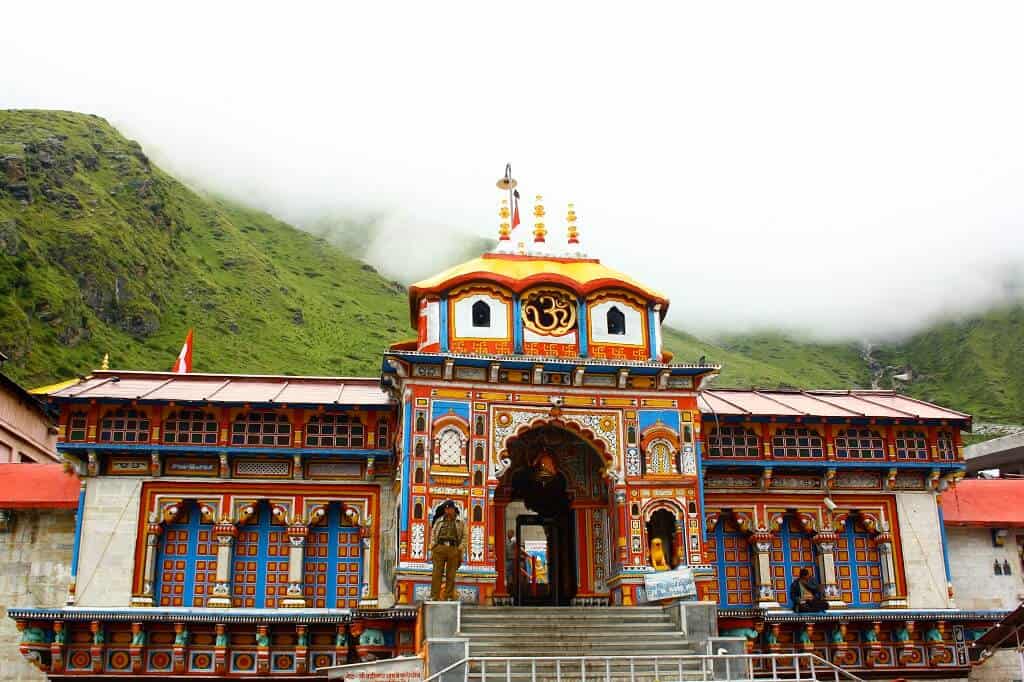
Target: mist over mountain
<point>103,252</point>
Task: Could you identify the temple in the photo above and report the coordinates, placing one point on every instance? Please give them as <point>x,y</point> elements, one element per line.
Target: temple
<point>275,525</point>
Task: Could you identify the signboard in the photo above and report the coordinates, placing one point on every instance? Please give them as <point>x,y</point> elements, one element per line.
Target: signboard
<point>675,584</point>
<point>402,669</point>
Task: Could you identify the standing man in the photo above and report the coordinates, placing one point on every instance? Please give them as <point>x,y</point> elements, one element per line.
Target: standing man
<point>805,593</point>
<point>448,542</point>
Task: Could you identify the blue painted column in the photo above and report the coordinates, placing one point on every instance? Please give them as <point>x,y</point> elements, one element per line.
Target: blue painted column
<point>581,316</point>
<point>517,325</point>
<point>652,337</point>
<point>403,503</point>
<point>79,514</point>
<point>945,546</point>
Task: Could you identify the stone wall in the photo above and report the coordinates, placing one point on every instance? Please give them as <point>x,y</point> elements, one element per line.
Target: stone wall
<point>975,584</point>
<point>35,570</point>
<point>921,542</point>
<point>106,562</point>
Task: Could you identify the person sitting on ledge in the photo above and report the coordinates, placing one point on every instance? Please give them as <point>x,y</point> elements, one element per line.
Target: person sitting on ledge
<point>805,593</point>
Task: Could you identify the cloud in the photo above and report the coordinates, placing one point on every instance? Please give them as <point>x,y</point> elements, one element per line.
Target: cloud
<point>837,170</point>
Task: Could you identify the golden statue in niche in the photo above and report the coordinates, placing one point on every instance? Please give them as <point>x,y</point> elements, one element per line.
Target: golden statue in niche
<point>658,558</point>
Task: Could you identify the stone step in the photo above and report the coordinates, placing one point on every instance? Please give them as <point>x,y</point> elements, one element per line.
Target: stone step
<point>632,630</point>
<point>597,649</point>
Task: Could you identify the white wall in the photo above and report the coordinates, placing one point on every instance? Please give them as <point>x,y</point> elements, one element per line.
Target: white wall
<point>975,584</point>
<point>463,316</point>
<point>106,561</point>
<point>921,541</point>
<point>636,328</point>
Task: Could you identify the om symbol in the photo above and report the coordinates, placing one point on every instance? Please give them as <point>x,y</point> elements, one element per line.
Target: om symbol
<point>549,312</point>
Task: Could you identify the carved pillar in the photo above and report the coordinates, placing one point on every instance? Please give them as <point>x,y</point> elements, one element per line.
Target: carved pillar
<point>262,649</point>
<point>367,559</point>
<point>153,531</point>
<point>220,651</point>
<point>92,466</point>
<point>297,542</point>
<point>96,650</point>
<point>826,543</point>
<point>501,592</point>
<point>301,649</point>
<point>341,645</point>
<point>225,532</point>
<point>180,644</point>
<point>297,467</point>
<point>136,648</point>
<point>371,470</point>
<point>225,469</point>
<point>57,647</point>
<point>761,544</point>
<point>680,554</point>
<point>154,463</point>
<point>890,599</point>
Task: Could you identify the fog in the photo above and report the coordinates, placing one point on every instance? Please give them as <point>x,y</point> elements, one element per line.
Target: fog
<point>844,171</point>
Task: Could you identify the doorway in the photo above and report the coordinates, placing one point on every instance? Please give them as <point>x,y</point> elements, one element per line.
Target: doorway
<point>553,486</point>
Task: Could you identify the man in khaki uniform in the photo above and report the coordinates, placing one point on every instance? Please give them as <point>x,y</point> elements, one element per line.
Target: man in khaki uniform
<point>448,542</point>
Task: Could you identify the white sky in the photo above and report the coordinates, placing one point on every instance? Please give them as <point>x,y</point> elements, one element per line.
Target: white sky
<point>847,170</point>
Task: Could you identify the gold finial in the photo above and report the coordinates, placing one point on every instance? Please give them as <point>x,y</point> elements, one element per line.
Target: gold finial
<point>538,227</point>
<point>571,219</point>
<point>503,230</point>
<point>106,361</point>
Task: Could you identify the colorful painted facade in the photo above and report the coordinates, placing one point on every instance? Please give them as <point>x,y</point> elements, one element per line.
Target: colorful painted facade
<point>248,525</point>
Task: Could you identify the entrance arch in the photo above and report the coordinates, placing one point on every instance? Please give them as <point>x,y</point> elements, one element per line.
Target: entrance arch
<point>552,508</point>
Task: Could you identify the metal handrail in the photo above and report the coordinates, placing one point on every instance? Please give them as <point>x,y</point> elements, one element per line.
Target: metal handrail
<point>813,664</point>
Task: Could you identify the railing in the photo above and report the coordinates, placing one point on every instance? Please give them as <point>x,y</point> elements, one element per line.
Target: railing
<point>794,667</point>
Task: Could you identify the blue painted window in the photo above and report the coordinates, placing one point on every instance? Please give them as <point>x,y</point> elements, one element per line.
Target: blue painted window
<point>858,566</point>
<point>334,565</point>
<point>792,550</point>
<point>260,577</point>
<point>186,560</point>
<point>729,552</point>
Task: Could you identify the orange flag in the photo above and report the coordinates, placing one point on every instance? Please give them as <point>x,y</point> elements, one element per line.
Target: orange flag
<point>183,365</point>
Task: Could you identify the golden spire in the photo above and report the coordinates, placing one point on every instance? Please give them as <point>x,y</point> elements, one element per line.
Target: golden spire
<point>538,227</point>
<point>106,361</point>
<point>571,219</point>
<point>504,230</point>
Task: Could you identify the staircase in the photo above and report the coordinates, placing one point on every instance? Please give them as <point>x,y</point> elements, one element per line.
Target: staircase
<point>567,632</point>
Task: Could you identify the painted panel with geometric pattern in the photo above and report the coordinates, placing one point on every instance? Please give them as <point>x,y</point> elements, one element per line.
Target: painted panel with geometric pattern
<point>333,564</point>
<point>730,554</point>
<point>792,550</point>
<point>186,561</point>
<point>260,578</point>
<point>858,566</point>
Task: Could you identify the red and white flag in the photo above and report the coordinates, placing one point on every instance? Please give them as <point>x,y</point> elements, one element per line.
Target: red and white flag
<point>183,365</point>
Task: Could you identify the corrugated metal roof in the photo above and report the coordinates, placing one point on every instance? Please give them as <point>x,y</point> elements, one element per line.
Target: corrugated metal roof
<point>226,388</point>
<point>980,502</point>
<point>851,404</point>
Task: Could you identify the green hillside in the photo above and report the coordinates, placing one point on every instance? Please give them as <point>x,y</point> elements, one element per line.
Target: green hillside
<point>101,251</point>
<point>975,364</point>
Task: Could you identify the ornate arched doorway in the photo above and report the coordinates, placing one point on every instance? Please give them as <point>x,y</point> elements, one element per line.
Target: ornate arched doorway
<point>552,505</point>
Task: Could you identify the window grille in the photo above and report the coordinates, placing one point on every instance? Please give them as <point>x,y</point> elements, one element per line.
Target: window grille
<point>946,445</point>
<point>192,427</point>
<point>335,431</point>
<point>124,426</point>
<point>859,444</point>
<point>76,426</point>
<point>660,459</point>
<point>733,441</point>
<point>799,443</point>
<point>268,429</point>
<point>911,445</point>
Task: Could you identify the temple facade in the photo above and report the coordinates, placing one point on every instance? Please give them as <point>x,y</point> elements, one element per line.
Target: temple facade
<point>275,525</point>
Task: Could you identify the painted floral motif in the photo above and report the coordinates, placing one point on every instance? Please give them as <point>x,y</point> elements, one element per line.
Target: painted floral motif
<point>476,544</point>
<point>418,541</point>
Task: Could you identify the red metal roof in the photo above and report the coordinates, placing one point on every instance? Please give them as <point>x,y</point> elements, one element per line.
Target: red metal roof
<point>37,486</point>
<point>227,388</point>
<point>875,404</point>
<point>981,502</point>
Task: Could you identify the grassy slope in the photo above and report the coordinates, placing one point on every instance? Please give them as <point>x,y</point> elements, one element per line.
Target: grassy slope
<point>975,365</point>
<point>773,361</point>
<point>113,255</point>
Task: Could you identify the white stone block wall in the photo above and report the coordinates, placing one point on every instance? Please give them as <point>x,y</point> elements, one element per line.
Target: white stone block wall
<point>106,561</point>
<point>921,543</point>
<point>35,570</point>
<point>975,584</point>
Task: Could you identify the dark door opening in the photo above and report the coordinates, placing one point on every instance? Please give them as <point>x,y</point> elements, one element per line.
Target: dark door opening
<point>545,574</point>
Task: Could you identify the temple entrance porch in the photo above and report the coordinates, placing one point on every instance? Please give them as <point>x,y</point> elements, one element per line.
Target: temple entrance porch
<point>552,509</point>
